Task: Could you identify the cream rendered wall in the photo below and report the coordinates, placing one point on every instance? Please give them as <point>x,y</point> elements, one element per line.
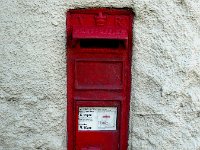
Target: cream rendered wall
<point>165,98</point>
<point>32,74</point>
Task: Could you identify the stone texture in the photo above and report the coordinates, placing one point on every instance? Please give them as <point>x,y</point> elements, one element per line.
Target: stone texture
<point>165,98</point>
<point>32,75</point>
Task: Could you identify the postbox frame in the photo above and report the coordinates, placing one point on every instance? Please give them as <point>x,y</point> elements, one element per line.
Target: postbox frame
<point>84,54</point>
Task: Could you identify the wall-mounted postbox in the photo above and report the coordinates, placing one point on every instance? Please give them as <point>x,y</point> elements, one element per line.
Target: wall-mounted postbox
<point>99,46</point>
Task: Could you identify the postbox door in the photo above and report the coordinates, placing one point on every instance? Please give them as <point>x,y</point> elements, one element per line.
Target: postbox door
<point>99,81</point>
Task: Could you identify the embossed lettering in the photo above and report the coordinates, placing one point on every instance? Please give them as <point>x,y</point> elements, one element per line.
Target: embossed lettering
<point>80,19</point>
<point>119,21</point>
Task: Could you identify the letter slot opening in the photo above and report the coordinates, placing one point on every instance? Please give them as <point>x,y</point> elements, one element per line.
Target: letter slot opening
<point>102,43</point>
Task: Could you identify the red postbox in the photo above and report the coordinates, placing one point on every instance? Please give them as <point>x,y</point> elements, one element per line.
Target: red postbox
<point>99,48</point>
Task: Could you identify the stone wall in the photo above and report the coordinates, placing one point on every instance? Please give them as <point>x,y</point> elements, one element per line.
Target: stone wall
<point>32,74</point>
<point>165,97</point>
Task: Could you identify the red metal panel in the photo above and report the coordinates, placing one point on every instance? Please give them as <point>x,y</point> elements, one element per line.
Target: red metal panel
<point>89,74</point>
<point>99,49</point>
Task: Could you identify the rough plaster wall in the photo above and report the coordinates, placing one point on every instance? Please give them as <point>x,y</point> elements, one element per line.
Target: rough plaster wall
<point>165,99</point>
<point>32,74</point>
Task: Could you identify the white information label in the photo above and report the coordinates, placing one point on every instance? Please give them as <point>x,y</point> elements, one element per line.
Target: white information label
<point>97,118</point>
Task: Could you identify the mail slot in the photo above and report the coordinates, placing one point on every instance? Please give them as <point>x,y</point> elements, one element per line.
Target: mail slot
<point>99,49</point>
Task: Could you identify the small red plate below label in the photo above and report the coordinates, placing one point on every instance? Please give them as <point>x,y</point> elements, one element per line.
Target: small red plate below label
<point>90,148</point>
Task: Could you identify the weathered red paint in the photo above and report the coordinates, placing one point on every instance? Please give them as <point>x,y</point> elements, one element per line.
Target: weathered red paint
<point>99,49</point>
